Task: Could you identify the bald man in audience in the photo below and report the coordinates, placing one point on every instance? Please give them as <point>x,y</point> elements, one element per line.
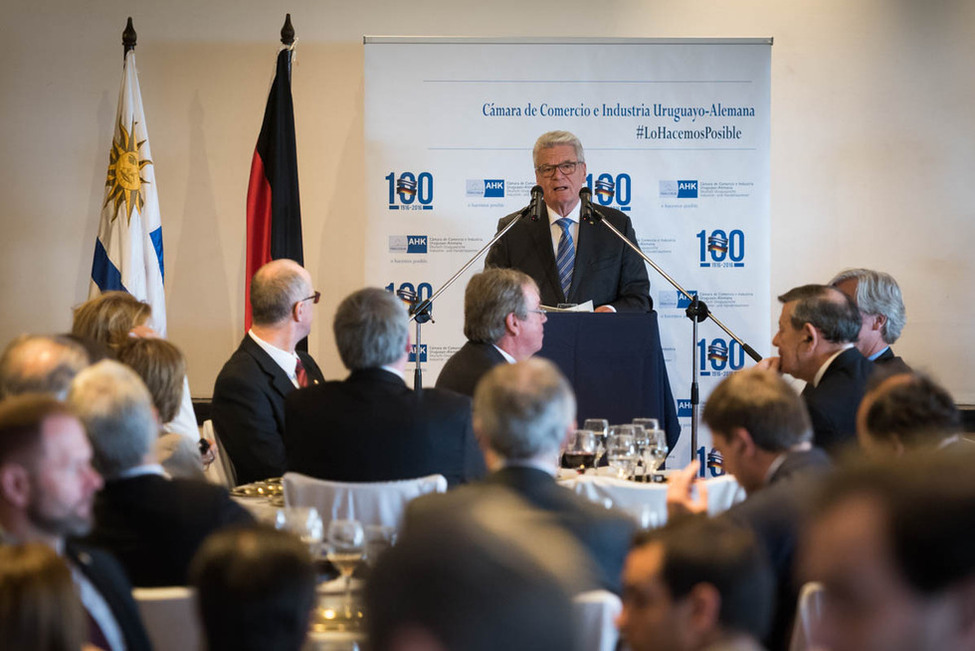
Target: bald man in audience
<point>696,585</point>
<point>909,412</point>
<point>47,488</point>
<point>882,314</point>
<point>891,545</point>
<point>503,324</point>
<point>248,396</point>
<point>38,363</point>
<point>817,336</point>
<point>151,523</point>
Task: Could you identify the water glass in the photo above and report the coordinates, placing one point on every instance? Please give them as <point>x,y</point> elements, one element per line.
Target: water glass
<point>621,452</point>
<point>304,522</point>
<point>580,453</point>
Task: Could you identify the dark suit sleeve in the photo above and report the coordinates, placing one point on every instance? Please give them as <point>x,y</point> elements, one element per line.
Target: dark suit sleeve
<point>498,255</point>
<point>474,466</point>
<point>108,577</point>
<point>633,293</point>
<point>244,420</point>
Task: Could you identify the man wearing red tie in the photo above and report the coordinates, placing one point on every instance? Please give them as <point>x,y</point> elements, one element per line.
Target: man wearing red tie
<point>248,397</point>
<point>573,261</point>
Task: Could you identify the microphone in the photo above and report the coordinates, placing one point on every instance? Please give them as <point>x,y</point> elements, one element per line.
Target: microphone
<point>585,210</point>
<point>536,208</point>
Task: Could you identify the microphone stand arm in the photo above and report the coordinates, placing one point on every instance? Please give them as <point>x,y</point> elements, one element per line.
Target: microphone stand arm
<point>422,312</point>
<point>697,311</point>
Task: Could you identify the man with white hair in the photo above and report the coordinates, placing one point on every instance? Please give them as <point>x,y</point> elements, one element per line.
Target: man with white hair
<point>572,260</point>
<point>371,426</point>
<point>882,314</point>
<point>40,364</point>
<point>522,414</point>
<point>151,523</point>
<point>248,396</point>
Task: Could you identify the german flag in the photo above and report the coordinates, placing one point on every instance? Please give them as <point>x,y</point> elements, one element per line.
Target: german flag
<point>273,206</point>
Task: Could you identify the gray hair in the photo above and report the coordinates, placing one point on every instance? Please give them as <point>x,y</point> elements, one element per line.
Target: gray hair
<point>275,288</point>
<point>488,300</point>
<point>40,364</point>
<point>555,139</point>
<point>116,409</point>
<point>371,329</point>
<point>762,403</point>
<point>524,410</point>
<point>878,293</point>
<point>827,309</point>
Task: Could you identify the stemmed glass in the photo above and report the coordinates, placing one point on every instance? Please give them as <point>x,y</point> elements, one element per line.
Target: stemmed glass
<point>580,453</point>
<point>600,429</point>
<point>656,452</point>
<point>304,522</point>
<point>621,450</point>
<point>345,546</point>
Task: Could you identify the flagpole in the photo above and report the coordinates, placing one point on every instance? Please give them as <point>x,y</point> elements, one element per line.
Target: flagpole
<point>128,38</point>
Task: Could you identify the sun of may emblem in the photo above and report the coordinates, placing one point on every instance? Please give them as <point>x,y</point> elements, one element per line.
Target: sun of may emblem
<point>124,172</point>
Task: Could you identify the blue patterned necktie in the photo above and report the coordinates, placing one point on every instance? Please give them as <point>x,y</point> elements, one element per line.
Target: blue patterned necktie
<point>566,257</point>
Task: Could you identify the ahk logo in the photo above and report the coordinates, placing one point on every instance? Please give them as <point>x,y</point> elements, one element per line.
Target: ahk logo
<point>493,188</point>
<point>683,408</point>
<point>682,301</point>
<point>687,189</point>
<point>423,353</point>
<point>416,243</point>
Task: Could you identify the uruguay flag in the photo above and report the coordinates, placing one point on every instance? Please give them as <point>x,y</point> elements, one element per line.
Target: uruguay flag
<point>129,248</point>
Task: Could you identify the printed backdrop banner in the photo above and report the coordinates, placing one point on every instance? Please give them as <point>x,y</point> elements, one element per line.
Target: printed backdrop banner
<point>679,128</point>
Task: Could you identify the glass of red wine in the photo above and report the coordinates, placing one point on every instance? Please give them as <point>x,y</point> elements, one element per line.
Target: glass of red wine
<point>580,452</point>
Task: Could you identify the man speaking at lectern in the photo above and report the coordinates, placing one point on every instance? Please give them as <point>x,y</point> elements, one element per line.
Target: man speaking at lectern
<point>572,261</point>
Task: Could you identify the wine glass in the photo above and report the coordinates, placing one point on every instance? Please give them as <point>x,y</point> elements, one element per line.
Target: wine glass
<point>600,428</point>
<point>304,522</point>
<point>621,451</point>
<point>580,453</point>
<point>345,544</point>
<point>656,452</point>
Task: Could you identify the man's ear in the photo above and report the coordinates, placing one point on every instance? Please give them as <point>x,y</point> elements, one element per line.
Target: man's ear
<point>15,484</point>
<point>741,441</point>
<point>877,321</point>
<point>810,335</point>
<point>704,602</point>
<point>512,323</point>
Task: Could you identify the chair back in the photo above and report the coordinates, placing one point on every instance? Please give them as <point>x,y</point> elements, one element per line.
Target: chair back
<point>380,503</point>
<point>809,611</point>
<point>595,614</point>
<point>169,615</point>
<point>221,471</point>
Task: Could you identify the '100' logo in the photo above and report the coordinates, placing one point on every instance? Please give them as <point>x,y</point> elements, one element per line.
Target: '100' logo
<point>410,191</point>
<point>607,188</point>
<point>719,356</point>
<point>720,249</point>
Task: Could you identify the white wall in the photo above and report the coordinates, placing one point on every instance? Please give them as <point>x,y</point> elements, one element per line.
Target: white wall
<point>873,141</point>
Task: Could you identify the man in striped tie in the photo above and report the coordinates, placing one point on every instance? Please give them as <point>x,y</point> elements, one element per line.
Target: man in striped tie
<point>572,260</point>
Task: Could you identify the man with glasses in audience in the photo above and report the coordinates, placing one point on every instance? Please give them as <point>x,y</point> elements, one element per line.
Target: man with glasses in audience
<point>572,261</point>
<point>248,397</point>
<point>503,324</point>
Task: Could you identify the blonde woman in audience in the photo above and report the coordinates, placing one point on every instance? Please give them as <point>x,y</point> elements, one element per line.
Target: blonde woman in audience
<point>113,318</point>
<point>39,609</point>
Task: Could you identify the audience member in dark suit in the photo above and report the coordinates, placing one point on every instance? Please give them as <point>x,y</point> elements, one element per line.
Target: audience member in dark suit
<point>255,588</point>
<point>371,426</point>
<point>522,414</point>
<point>47,486</point>
<point>760,426</point>
<point>586,257</point>
<point>502,323</point>
<point>891,545</point>
<point>697,584</point>
<point>248,396</point>
<point>151,523</point>
<point>818,328</point>
<point>909,412</point>
<point>882,314</point>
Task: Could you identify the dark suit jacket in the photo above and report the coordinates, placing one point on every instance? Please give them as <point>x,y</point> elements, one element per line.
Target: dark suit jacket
<point>154,525</point>
<point>775,513</point>
<point>468,365</point>
<point>248,410</point>
<point>604,533</point>
<point>890,363</point>
<point>372,427</point>
<point>833,404</point>
<point>107,576</point>
<point>606,270</point>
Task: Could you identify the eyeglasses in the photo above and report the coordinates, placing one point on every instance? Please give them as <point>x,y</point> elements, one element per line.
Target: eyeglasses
<point>542,312</point>
<point>568,167</point>
<point>313,298</point>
